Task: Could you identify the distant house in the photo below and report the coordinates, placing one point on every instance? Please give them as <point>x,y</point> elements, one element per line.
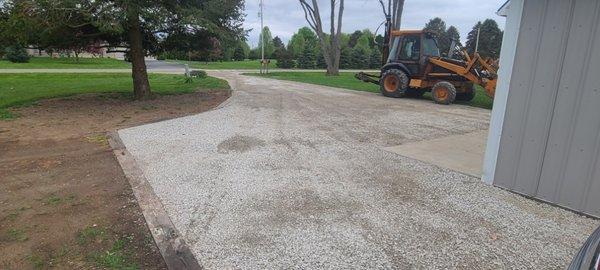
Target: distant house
<point>102,52</point>
<point>544,138</point>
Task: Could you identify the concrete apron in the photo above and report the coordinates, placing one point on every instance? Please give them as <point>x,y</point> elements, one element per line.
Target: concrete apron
<point>463,153</point>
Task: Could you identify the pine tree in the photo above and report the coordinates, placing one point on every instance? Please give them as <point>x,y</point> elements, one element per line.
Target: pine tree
<point>360,58</point>
<point>321,60</point>
<point>238,54</point>
<point>284,59</point>
<point>451,34</point>
<point>490,39</point>
<point>307,59</point>
<point>438,27</point>
<point>375,59</point>
<point>346,58</point>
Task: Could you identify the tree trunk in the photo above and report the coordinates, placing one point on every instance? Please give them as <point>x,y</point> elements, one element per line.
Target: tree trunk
<point>141,86</point>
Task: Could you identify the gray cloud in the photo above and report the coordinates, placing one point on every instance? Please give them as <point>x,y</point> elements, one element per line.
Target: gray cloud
<point>284,17</point>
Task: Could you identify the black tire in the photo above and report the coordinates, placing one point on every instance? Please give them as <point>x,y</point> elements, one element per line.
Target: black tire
<point>443,93</point>
<point>414,93</point>
<point>393,83</point>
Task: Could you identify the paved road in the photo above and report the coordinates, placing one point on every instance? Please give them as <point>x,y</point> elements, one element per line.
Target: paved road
<point>290,175</point>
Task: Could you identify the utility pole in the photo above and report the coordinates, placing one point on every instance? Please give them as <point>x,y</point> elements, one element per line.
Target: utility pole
<point>263,63</point>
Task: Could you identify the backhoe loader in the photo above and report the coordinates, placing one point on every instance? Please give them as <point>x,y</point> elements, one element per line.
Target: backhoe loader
<point>412,65</point>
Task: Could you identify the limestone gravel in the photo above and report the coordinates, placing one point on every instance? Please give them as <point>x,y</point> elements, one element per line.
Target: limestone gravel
<point>291,175</point>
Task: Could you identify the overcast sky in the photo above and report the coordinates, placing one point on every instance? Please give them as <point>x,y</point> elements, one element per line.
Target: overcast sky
<point>284,17</point>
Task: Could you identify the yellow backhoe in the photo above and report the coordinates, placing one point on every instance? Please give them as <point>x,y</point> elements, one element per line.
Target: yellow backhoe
<point>412,65</point>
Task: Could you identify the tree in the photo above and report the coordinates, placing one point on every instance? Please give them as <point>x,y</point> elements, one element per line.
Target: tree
<point>438,27</point>
<point>254,54</point>
<point>301,39</point>
<point>277,43</point>
<point>490,39</point>
<point>284,59</point>
<point>307,60</point>
<point>375,59</point>
<point>330,46</point>
<point>451,34</point>
<point>364,43</point>
<point>346,58</point>
<point>268,39</point>
<point>139,25</point>
<point>239,55</point>
<point>359,58</point>
<point>320,60</point>
<point>354,38</point>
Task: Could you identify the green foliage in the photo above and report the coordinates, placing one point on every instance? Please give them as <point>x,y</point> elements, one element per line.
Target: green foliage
<point>375,59</point>
<point>321,60</point>
<point>285,59</point>
<point>308,59</point>
<point>239,55</point>
<point>354,38</point>
<point>16,54</point>
<point>364,43</point>
<point>302,39</point>
<point>277,43</point>
<point>438,27</point>
<point>490,39</point>
<point>346,58</point>
<point>200,74</point>
<point>359,58</point>
<point>268,39</point>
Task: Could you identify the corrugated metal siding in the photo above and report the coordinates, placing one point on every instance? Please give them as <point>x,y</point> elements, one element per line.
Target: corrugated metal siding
<point>550,139</point>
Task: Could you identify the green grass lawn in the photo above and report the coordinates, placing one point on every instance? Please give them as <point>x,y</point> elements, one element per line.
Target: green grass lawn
<point>83,63</point>
<point>25,89</point>
<point>347,80</point>
<point>246,64</point>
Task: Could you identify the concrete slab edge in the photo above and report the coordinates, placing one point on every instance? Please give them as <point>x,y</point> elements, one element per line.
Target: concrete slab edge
<point>173,248</point>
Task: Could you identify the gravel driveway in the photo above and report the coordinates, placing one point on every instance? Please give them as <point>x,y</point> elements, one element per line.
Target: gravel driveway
<point>291,175</point>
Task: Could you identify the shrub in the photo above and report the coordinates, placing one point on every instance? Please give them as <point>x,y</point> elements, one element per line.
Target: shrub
<point>346,58</point>
<point>375,59</point>
<point>307,59</point>
<point>238,54</point>
<point>359,58</point>
<point>16,54</point>
<point>321,60</point>
<point>198,74</point>
<point>284,59</point>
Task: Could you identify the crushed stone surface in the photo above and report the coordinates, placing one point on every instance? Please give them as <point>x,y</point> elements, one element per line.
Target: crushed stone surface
<point>292,175</point>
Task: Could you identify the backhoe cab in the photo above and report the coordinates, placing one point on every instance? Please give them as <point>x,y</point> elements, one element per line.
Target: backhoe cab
<point>414,66</point>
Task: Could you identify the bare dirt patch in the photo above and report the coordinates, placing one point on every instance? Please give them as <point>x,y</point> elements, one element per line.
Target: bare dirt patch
<point>64,201</point>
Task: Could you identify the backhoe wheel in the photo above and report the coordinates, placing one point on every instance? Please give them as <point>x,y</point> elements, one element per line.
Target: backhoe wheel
<point>443,93</point>
<point>393,83</point>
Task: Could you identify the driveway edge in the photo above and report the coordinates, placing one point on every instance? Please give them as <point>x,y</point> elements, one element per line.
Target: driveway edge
<point>174,250</point>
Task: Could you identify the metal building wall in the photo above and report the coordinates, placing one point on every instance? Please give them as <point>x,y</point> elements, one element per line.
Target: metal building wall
<point>550,138</point>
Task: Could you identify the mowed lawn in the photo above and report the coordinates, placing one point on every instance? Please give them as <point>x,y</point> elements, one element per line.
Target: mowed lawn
<point>347,80</point>
<point>246,64</point>
<point>66,62</point>
<point>24,89</point>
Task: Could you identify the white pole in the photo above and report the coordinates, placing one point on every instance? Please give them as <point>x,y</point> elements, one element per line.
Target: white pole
<point>262,36</point>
